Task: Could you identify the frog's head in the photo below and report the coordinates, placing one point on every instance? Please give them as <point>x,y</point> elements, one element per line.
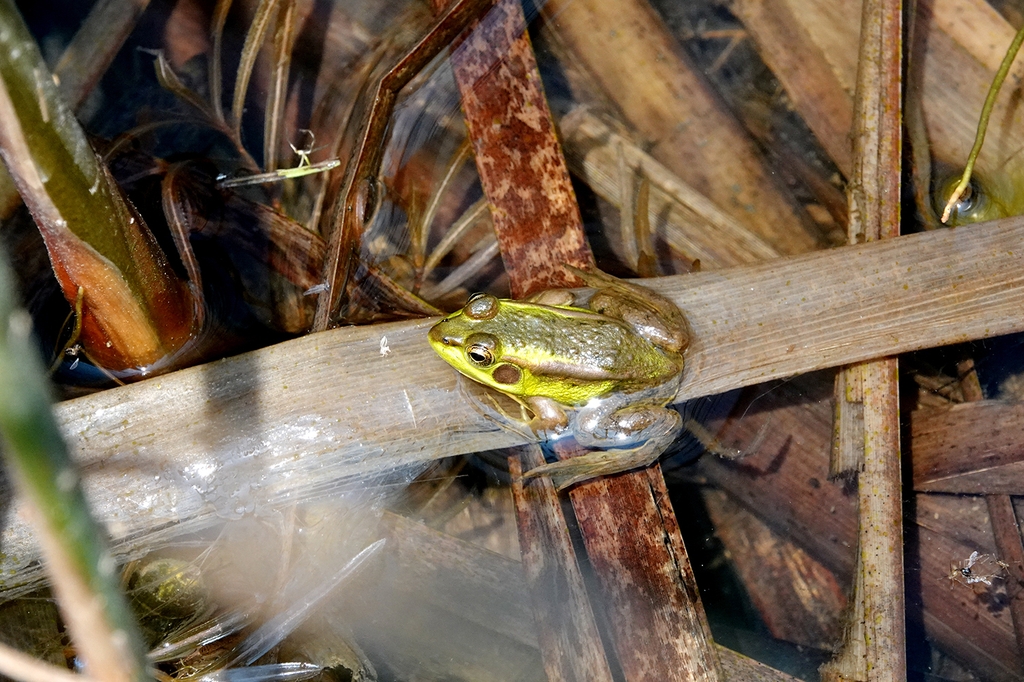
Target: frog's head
<point>470,341</point>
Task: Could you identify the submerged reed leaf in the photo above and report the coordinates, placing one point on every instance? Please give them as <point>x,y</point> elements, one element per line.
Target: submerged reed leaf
<point>284,41</point>
<point>253,40</point>
<point>220,17</point>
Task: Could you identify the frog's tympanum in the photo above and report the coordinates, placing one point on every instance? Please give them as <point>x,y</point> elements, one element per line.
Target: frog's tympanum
<point>599,364</point>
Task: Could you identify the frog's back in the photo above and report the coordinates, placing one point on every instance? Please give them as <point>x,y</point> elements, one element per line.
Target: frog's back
<point>571,344</point>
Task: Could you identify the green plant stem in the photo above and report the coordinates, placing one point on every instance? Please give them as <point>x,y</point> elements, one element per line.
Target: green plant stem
<point>82,571</point>
<point>986,112</point>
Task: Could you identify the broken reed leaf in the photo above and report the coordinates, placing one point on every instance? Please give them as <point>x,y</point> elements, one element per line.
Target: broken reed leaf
<point>279,175</point>
<point>277,94</point>
<point>265,12</point>
<point>642,69</point>
<point>986,112</point>
<point>136,309</point>
<point>628,214</point>
<point>646,261</point>
<point>690,223</point>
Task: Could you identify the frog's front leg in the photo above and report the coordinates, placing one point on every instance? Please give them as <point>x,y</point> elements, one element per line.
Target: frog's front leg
<point>549,417</point>
<point>649,429</point>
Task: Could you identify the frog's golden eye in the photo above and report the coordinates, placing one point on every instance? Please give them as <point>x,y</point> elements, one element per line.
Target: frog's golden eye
<point>480,349</point>
<point>481,307</point>
<point>479,356</point>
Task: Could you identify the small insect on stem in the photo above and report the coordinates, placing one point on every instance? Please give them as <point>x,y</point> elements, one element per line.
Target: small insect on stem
<point>282,174</point>
<point>977,569</point>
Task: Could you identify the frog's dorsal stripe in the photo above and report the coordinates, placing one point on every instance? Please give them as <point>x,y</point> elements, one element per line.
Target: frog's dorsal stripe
<point>560,310</point>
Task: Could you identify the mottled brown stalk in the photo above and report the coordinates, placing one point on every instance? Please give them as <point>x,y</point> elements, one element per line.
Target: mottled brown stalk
<point>658,626</point>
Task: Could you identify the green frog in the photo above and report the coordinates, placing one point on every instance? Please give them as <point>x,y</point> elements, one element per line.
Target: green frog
<point>599,364</point>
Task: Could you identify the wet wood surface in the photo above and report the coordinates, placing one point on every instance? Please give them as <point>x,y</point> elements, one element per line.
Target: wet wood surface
<point>971,448</point>
<point>799,599</point>
<point>645,582</point>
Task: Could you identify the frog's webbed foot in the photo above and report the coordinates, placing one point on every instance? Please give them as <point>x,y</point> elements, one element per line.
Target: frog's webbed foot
<point>654,437</point>
<point>598,463</point>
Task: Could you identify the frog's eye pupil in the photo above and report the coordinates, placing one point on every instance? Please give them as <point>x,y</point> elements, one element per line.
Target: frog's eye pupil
<point>479,355</point>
